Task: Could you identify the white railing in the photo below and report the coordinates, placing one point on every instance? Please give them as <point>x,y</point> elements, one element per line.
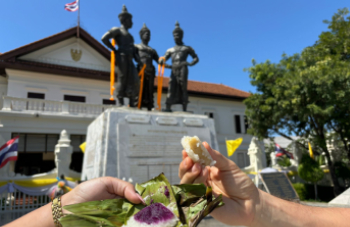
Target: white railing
<point>16,204</point>
<point>42,105</point>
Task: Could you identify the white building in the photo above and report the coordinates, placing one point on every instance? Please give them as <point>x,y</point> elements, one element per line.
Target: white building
<point>48,85</point>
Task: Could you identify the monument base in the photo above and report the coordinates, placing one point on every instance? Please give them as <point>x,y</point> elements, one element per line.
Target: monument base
<point>137,145</point>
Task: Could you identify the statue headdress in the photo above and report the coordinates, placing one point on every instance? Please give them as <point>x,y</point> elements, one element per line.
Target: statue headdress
<point>124,14</point>
<point>178,29</point>
<point>144,29</point>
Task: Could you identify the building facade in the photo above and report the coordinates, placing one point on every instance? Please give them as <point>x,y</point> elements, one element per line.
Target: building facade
<point>62,82</point>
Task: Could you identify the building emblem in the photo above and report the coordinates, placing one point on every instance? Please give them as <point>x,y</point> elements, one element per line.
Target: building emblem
<point>76,54</point>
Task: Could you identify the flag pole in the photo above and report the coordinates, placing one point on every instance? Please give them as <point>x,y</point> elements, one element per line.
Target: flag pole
<point>78,19</point>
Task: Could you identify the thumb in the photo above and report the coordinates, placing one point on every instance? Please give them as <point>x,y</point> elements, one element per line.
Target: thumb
<point>121,188</point>
<point>222,163</point>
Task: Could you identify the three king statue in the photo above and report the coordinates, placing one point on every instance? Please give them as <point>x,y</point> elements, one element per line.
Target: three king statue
<point>128,83</point>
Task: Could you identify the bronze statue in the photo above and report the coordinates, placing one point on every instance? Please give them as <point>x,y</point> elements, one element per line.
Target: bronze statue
<point>128,83</point>
<point>147,55</point>
<point>177,90</point>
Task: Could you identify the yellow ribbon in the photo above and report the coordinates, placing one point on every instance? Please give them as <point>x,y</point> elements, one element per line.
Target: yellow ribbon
<point>252,172</point>
<point>160,82</point>
<point>142,75</point>
<point>36,182</point>
<point>112,71</point>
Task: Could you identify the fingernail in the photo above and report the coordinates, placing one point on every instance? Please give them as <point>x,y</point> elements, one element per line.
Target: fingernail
<point>143,201</point>
<point>195,168</point>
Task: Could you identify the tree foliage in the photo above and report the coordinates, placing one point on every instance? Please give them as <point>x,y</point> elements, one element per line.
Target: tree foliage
<point>309,169</point>
<point>306,94</point>
<point>284,161</point>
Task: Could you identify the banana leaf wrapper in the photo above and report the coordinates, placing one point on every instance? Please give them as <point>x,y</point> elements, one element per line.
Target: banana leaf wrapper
<point>189,203</point>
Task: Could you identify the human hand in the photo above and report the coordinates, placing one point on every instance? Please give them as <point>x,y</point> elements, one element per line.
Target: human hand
<point>240,195</point>
<point>101,189</point>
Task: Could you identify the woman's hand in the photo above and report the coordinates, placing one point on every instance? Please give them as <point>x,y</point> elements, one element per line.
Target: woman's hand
<point>97,189</point>
<point>100,189</point>
<point>240,195</point>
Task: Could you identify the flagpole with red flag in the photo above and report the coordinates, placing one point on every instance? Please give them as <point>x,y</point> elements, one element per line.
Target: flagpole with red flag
<point>78,19</point>
<point>72,7</point>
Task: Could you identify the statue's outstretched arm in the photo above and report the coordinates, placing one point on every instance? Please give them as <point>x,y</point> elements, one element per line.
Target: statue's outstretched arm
<point>166,56</point>
<point>194,56</point>
<point>108,36</point>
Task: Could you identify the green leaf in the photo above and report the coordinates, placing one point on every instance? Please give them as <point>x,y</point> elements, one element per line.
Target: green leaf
<point>116,211</point>
<point>159,190</point>
<point>76,220</point>
<point>95,207</point>
<point>188,193</point>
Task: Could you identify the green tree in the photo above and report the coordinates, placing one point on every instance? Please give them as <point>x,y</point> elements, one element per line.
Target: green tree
<point>306,94</point>
<point>309,170</point>
<point>284,161</point>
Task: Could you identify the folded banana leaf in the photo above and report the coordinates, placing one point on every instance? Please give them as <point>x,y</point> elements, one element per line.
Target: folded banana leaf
<point>166,206</point>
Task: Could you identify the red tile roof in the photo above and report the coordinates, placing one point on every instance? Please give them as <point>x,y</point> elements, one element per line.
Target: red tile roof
<point>210,89</point>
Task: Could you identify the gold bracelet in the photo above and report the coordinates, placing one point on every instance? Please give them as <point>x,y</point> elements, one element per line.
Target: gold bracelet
<point>56,211</point>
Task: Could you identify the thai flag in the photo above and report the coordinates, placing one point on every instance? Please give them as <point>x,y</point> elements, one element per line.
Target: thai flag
<point>280,151</point>
<point>72,7</point>
<point>8,152</point>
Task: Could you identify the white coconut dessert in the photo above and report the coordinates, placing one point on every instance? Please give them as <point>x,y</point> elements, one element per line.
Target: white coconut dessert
<point>196,151</point>
<point>154,215</point>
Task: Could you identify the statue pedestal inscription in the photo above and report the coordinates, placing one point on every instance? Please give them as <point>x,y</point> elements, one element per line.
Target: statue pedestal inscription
<point>279,185</point>
<point>128,143</point>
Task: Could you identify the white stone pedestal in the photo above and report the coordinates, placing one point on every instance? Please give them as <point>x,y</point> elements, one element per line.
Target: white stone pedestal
<point>138,145</point>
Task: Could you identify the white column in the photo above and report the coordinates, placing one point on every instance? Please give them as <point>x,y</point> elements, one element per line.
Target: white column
<point>296,153</point>
<point>273,159</point>
<point>256,158</point>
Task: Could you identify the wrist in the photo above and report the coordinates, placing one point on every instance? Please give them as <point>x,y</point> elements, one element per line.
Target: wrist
<point>259,208</point>
<point>67,199</point>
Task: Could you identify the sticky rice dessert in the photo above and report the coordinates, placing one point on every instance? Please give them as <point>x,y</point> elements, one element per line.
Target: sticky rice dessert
<point>196,151</point>
<point>154,215</point>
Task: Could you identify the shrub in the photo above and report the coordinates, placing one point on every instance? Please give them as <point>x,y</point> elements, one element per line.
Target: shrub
<point>301,190</point>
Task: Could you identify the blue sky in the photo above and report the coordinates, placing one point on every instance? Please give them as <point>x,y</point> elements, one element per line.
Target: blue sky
<point>225,34</point>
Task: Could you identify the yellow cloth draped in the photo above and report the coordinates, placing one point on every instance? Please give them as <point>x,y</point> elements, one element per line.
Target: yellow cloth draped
<point>232,145</point>
<point>82,147</point>
<point>142,75</point>
<point>36,182</point>
<point>160,82</point>
<point>310,150</point>
<point>112,72</point>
